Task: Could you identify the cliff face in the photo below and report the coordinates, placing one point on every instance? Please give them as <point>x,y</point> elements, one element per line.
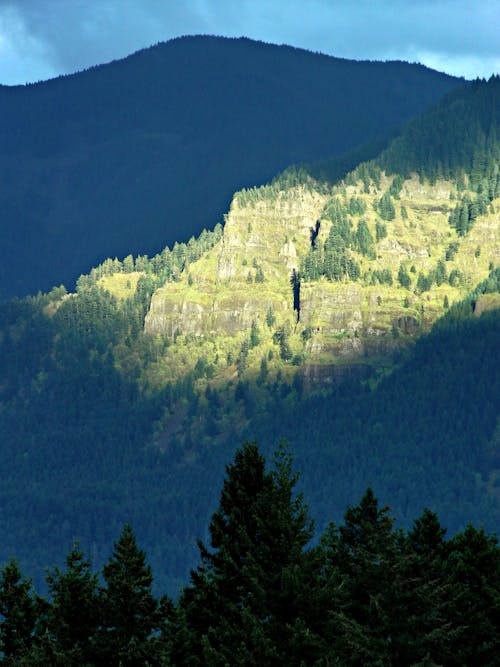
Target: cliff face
<point>246,279</point>
<point>246,274</point>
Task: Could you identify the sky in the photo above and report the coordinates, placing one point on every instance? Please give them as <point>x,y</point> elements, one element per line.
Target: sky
<point>40,39</point>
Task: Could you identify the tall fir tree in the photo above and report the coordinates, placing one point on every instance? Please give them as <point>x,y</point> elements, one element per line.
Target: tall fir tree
<point>364,557</point>
<point>244,603</point>
<point>130,612</point>
<point>18,614</point>
<point>73,614</point>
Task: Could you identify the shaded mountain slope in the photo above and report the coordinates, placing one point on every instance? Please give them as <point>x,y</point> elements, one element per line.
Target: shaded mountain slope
<point>124,400</point>
<point>131,155</point>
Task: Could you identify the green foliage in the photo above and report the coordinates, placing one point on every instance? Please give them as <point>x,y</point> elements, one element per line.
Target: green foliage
<point>379,276</point>
<point>306,334</point>
<point>270,317</point>
<point>380,230</point>
<point>164,267</point>
<point>242,361</point>
<point>459,135</point>
<point>367,593</point>
<point>455,278</point>
<point>259,275</point>
<point>440,276</point>
<point>91,417</point>
<point>18,614</point>
<point>281,338</point>
<point>363,241</point>
<point>73,616</point>
<point>463,216</point>
<point>424,282</point>
<point>336,212</point>
<point>333,260</point>
<point>403,277</point>
<point>396,186</point>
<point>451,251</point>
<point>356,206</point>
<point>254,334</point>
<point>386,207</point>
<point>249,585</point>
<point>130,611</point>
<point>264,371</point>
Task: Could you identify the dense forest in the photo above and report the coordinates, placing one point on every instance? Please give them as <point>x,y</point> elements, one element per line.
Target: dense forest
<point>139,153</point>
<point>91,439</point>
<point>365,593</point>
<point>75,428</point>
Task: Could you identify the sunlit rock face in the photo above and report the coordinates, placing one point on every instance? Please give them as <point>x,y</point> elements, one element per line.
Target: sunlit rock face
<point>267,236</point>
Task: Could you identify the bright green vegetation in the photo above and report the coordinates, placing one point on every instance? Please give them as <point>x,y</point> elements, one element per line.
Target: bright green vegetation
<point>337,277</point>
<point>354,318</point>
<point>365,593</point>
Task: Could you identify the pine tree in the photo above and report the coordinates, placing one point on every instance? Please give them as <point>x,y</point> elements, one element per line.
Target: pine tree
<point>364,240</point>
<point>473,575</point>
<point>403,277</point>
<point>17,612</point>
<point>73,615</point>
<point>254,334</point>
<point>419,619</point>
<point>130,612</point>
<point>386,207</point>
<point>363,557</point>
<point>245,600</point>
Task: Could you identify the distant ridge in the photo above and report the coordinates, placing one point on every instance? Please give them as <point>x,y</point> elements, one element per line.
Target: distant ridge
<point>138,153</point>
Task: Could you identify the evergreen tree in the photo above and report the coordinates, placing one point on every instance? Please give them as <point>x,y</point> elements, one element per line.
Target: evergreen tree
<point>386,207</point>
<point>440,273</point>
<point>403,277</point>
<point>245,599</point>
<point>130,612</point>
<point>259,275</point>
<point>254,334</point>
<point>380,230</point>
<point>363,553</point>
<point>73,615</point>
<point>419,619</point>
<point>17,614</point>
<point>364,240</point>
<point>473,574</point>
<point>270,317</point>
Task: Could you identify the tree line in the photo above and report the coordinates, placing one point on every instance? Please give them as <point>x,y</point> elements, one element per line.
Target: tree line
<point>265,592</point>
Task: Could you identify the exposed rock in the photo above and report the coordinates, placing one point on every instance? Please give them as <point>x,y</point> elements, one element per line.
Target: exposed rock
<point>248,274</point>
<point>402,251</point>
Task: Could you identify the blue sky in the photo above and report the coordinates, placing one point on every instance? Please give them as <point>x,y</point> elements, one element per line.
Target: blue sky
<point>40,39</point>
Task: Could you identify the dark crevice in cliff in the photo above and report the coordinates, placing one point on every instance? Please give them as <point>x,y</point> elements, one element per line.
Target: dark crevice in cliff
<point>295,283</point>
<point>314,233</point>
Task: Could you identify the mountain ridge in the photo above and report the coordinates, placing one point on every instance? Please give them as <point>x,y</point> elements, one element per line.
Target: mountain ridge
<point>120,156</point>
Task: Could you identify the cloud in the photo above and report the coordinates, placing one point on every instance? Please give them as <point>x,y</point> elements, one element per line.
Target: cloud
<point>39,39</point>
<point>22,56</point>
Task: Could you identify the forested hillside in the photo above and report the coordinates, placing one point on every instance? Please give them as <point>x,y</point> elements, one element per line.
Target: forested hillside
<point>359,319</point>
<point>139,153</point>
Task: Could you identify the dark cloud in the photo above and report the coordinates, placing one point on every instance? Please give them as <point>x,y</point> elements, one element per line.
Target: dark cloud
<point>42,38</point>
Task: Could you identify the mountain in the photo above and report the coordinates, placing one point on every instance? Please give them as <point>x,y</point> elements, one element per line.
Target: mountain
<point>146,151</point>
<point>357,318</point>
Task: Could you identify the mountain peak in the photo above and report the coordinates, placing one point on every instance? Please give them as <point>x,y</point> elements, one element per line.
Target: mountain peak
<point>141,152</point>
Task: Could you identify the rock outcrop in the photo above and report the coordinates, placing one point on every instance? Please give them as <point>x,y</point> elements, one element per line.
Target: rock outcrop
<point>267,234</point>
